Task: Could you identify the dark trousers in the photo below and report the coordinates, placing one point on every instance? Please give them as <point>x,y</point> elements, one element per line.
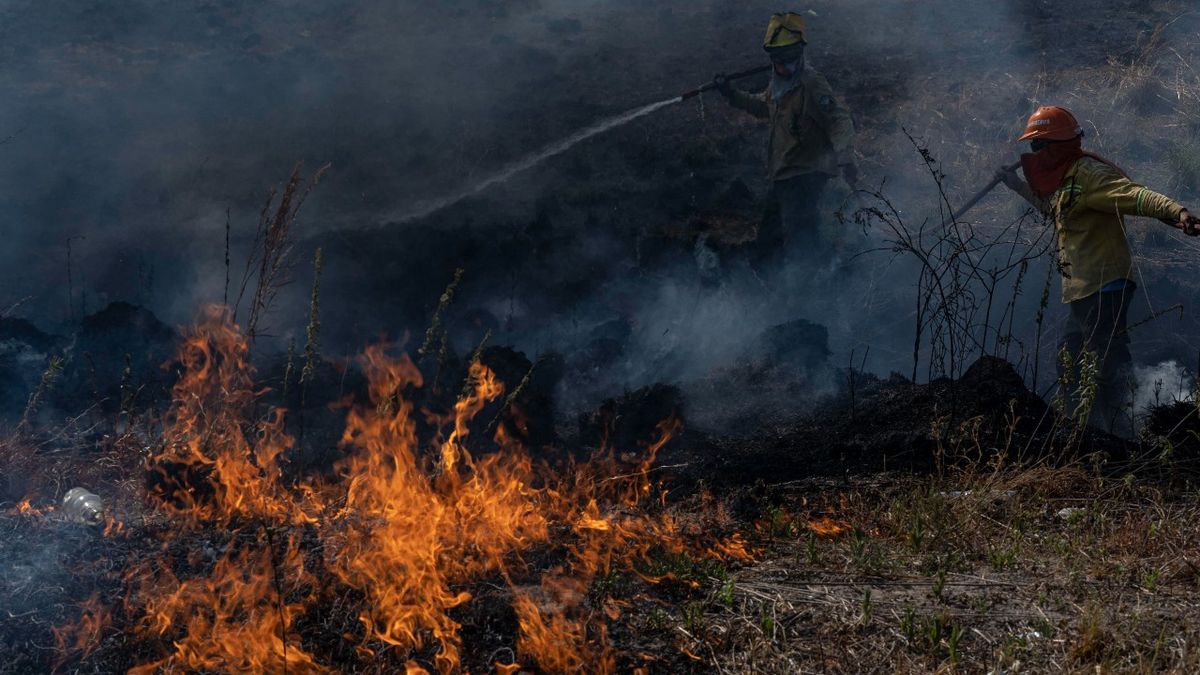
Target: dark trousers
<point>793,221</point>
<point>1099,324</point>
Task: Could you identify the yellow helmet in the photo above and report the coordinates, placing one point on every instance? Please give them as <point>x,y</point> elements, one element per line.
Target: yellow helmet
<point>784,30</point>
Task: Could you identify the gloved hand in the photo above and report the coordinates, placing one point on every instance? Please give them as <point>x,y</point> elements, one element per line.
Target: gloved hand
<point>721,82</point>
<point>1010,178</point>
<point>850,174</point>
<point>1188,223</point>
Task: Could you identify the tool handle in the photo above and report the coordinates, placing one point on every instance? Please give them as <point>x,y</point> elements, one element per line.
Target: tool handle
<point>731,77</point>
<point>982,193</point>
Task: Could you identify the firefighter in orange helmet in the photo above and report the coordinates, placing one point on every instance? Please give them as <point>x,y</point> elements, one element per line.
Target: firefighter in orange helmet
<point>1087,197</point>
<point>811,134</point>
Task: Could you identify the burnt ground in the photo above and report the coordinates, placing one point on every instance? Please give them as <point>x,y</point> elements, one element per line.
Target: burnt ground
<point>905,526</point>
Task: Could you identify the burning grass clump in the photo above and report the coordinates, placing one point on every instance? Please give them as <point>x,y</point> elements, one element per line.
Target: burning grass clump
<point>412,556</point>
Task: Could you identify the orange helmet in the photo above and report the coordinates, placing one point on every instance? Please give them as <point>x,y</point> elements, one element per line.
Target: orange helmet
<point>1052,123</point>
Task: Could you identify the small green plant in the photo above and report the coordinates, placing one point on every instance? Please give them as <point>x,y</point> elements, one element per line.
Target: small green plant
<point>779,523</point>
<point>609,584</point>
<point>725,595</point>
<point>1044,627</point>
<point>934,628</point>
<point>1150,579</point>
<point>682,567</point>
<point>812,554</point>
<point>956,633</point>
<point>939,584</point>
<point>693,617</point>
<point>1060,545</point>
<point>766,622</point>
<point>916,535</point>
<point>858,543</point>
<point>1155,529</point>
<point>1002,558</point>
<point>868,609</point>
<point>908,624</point>
<point>981,603</point>
<point>657,621</point>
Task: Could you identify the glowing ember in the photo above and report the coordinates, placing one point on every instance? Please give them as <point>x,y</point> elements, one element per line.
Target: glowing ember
<point>828,527</point>
<point>25,508</point>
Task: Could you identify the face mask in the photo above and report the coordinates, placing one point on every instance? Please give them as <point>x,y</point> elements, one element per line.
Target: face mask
<point>1048,164</point>
<point>789,56</point>
<point>788,69</point>
<point>782,85</point>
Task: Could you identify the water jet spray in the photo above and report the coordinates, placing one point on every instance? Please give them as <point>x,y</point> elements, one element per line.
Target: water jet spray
<point>427,208</point>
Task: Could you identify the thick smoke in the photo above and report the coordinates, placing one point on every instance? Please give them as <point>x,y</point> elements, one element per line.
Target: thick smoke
<point>135,128</point>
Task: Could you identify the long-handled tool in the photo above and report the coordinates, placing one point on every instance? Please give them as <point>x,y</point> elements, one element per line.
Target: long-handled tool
<point>731,77</point>
<point>983,193</point>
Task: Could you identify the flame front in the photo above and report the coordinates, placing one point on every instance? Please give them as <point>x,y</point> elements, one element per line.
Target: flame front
<point>407,529</point>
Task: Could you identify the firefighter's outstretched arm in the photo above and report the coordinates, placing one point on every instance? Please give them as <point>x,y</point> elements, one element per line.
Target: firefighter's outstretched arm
<point>755,104</point>
<point>1114,193</point>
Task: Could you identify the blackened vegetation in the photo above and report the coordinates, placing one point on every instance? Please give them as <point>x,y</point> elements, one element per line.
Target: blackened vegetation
<point>624,421</point>
<point>897,425</point>
<point>120,337</point>
<point>909,427</point>
<point>890,425</point>
<point>23,351</point>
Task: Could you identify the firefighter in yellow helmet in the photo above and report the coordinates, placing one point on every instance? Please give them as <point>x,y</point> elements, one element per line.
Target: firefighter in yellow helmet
<point>1088,197</point>
<point>811,135</point>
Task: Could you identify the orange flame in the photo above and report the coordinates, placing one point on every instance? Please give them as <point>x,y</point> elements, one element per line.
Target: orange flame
<point>405,527</point>
<point>827,527</point>
<point>83,637</point>
<point>26,508</point>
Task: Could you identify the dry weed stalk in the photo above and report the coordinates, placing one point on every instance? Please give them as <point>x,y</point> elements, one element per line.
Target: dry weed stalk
<point>312,331</point>
<point>435,331</point>
<point>289,368</point>
<point>961,275</point>
<point>49,376</point>
<point>269,261</point>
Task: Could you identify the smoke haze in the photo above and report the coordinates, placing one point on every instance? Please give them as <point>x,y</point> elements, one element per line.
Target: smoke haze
<point>132,128</point>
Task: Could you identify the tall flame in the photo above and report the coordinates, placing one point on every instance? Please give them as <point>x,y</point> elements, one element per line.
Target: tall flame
<point>406,529</point>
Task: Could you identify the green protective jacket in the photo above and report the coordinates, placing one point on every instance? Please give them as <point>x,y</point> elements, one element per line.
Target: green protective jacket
<point>811,131</point>
<point>1089,210</point>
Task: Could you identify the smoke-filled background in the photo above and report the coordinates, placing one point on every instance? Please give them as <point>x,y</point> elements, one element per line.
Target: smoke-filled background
<point>133,132</point>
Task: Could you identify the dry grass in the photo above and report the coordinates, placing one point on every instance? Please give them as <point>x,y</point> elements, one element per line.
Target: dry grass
<point>1020,570</point>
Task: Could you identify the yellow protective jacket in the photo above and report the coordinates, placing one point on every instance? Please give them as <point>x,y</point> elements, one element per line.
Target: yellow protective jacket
<point>811,131</point>
<point>1088,211</point>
